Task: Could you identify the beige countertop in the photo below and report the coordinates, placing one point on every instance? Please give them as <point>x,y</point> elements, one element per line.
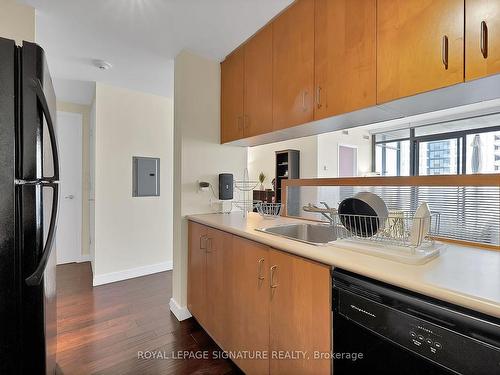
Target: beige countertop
<point>465,276</point>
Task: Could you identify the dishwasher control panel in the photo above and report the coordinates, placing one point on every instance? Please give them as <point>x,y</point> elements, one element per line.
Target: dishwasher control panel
<point>423,336</point>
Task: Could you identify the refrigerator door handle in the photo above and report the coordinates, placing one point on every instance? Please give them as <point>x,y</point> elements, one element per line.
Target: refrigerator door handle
<point>50,125</point>
<point>36,277</point>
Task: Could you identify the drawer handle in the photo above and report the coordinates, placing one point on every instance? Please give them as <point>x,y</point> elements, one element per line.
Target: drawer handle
<point>444,51</point>
<point>484,39</point>
<point>318,97</point>
<point>209,245</point>
<point>273,273</point>
<point>261,269</point>
<point>203,242</point>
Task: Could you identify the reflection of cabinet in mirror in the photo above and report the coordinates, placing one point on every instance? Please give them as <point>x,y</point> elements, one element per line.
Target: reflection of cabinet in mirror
<point>287,167</point>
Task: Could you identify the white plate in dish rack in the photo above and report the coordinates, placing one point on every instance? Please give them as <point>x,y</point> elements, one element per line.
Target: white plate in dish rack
<point>402,254</point>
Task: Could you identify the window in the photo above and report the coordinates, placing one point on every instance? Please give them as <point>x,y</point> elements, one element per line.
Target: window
<point>393,158</point>
<point>469,146</point>
<point>438,157</point>
<point>483,152</point>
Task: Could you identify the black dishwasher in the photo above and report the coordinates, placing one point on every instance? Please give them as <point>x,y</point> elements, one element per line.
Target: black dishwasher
<point>382,329</point>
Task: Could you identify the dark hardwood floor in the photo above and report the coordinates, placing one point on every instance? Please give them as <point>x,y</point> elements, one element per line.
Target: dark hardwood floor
<point>101,330</point>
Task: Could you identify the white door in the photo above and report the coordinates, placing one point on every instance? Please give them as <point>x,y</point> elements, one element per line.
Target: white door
<point>69,225</point>
<point>348,161</point>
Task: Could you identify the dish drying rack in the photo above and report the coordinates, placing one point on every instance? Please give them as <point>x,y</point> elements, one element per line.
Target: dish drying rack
<point>246,187</point>
<point>399,236</point>
<point>399,228</point>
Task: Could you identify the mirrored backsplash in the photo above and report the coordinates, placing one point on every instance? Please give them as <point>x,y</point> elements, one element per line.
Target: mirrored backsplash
<point>467,213</point>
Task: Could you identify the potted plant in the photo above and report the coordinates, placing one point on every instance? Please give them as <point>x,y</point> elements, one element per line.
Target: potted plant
<point>262,178</point>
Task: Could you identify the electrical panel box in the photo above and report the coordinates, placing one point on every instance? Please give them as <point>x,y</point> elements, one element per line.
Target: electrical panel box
<point>146,177</point>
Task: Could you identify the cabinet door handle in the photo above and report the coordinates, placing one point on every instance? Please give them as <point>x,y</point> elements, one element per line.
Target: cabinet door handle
<point>444,51</point>
<point>240,122</point>
<point>304,108</point>
<point>318,96</point>
<point>209,245</point>
<point>261,269</point>
<point>484,39</point>
<point>246,121</point>
<point>273,284</point>
<point>203,242</point>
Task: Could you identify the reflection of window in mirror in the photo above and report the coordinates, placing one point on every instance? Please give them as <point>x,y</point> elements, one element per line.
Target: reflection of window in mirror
<point>463,146</point>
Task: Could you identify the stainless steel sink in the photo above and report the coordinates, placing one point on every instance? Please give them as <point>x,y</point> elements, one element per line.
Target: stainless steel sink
<point>314,234</point>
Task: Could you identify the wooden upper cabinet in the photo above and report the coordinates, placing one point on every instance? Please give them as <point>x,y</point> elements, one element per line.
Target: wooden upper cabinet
<point>197,242</point>
<point>345,56</point>
<point>300,313</point>
<point>293,65</point>
<point>258,108</point>
<point>420,46</point>
<point>232,80</point>
<point>482,38</point>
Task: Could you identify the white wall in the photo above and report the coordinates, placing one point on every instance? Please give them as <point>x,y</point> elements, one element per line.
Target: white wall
<point>198,155</point>
<point>17,21</point>
<point>133,236</point>
<point>328,145</point>
<point>318,159</point>
<point>262,158</point>
<point>318,154</point>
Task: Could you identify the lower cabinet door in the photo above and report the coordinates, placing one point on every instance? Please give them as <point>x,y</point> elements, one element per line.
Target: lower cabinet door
<point>197,244</point>
<point>218,270</point>
<point>300,315</point>
<point>249,306</point>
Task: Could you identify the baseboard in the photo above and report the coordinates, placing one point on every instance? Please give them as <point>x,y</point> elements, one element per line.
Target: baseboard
<point>181,313</point>
<point>131,273</point>
<point>84,258</point>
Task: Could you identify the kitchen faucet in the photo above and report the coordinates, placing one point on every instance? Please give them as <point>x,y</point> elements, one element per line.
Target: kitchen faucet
<point>327,212</point>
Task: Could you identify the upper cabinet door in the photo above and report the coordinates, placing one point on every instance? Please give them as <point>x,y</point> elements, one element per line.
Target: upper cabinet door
<point>482,38</point>
<point>293,65</point>
<point>232,76</point>
<point>258,118</point>
<point>420,46</point>
<point>345,56</point>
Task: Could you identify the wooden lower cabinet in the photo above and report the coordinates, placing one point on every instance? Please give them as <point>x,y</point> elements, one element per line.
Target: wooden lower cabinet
<point>197,242</point>
<point>208,257</point>
<point>248,295</point>
<point>219,248</point>
<point>300,314</point>
<point>254,300</point>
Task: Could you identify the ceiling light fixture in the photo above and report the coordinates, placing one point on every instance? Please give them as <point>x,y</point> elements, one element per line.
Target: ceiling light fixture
<point>103,65</point>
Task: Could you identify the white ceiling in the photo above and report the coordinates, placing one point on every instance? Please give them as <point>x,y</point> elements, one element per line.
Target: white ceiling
<point>140,38</point>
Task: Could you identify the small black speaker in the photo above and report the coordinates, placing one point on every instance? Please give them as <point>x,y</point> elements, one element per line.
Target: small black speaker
<point>225,186</point>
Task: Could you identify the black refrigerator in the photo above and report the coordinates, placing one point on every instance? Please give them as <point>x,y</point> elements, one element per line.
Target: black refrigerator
<point>29,173</point>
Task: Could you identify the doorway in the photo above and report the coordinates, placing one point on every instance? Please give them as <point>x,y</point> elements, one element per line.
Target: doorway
<point>69,228</point>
